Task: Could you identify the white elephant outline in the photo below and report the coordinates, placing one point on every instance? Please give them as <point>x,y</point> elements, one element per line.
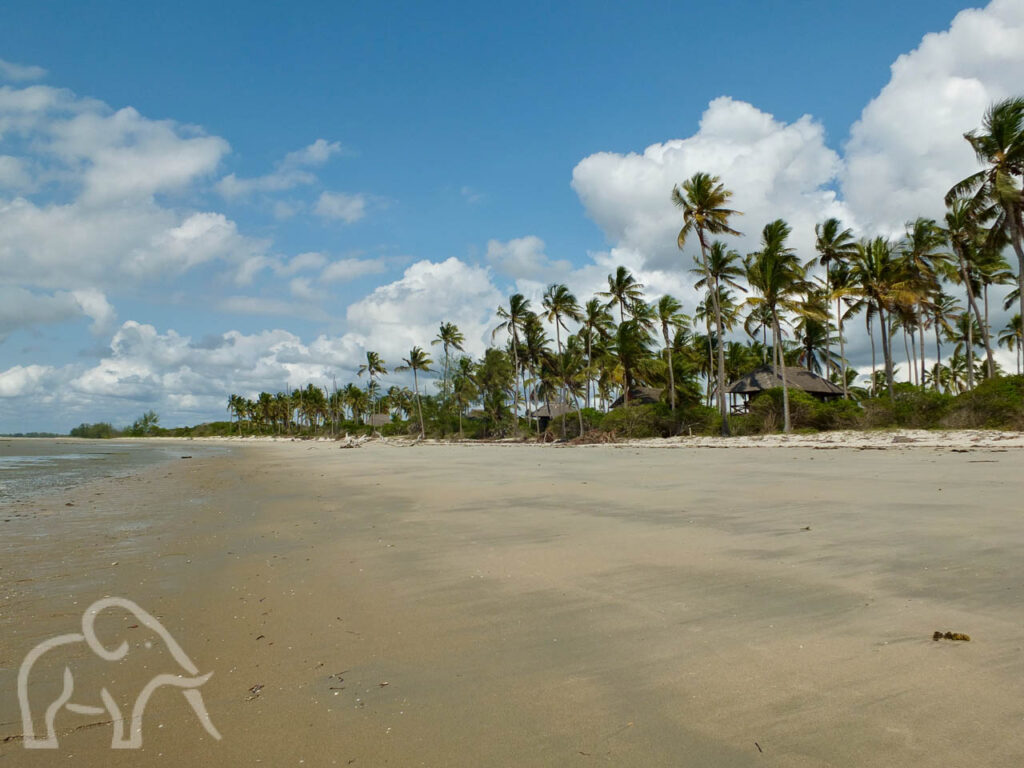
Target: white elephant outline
<point>88,635</point>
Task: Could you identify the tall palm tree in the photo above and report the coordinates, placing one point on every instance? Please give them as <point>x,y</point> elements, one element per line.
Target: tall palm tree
<point>514,318</point>
<point>778,278</point>
<point>417,361</point>
<point>999,145</point>
<point>835,246</point>
<point>450,337</point>
<point>464,388</point>
<point>881,282</point>
<point>624,290</point>
<point>964,222</point>
<point>670,317</point>
<point>597,323</point>
<point>373,367</point>
<point>703,199</point>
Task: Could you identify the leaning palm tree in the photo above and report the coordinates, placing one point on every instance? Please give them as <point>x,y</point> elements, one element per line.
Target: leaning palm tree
<point>450,337</point>
<point>999,145</point>
<point>703,199</point>
<point>417,361</point>
<point>778,278</point>
<point>670,318</point>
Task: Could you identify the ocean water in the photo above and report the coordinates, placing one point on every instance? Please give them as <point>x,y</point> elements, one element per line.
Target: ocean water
<point>33,466</point>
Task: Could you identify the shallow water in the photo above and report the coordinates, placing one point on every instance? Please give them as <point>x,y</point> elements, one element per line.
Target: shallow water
<point>33,466</point>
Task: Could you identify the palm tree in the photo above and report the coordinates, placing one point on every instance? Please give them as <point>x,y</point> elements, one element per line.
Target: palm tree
<point>963,228</point>
<point>624,290</point>
<point>415,362</point>
<point>464,387</point>
<point>944,310</point>
<point>836,247</point>
<point>703,199</point>
<point>776,274</point>
<point>1000,146</point>
<point>514,319</point>
<point>451,338</point>
<point>373,367</point>
<point>880,281</point>
<point>1012,337</point>
<point>670,316</point>
<point>597,323</point>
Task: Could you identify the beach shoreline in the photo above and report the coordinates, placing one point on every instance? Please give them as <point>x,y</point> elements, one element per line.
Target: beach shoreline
<point>427,605</point>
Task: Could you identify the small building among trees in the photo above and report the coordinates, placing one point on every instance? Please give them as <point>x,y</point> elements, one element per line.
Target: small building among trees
<point>765,378</point>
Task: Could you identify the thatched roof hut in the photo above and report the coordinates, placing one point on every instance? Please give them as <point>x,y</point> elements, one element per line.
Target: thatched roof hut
<point>640,396</point>
<point>545,413</point>
<point>763,378</point>
<point>378,419</point>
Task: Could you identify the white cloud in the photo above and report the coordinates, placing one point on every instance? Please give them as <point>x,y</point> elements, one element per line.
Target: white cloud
<point>19,72</point>
<point>774,170</point>
<point>344,270</point>
<point>288,174</point>
<point>13,174</point>
<point>524,258</point>
<point>259,305</point>
<point>407,312</point>
<point>907,149</point>
<point>341,207</point>
<point>24,380</point>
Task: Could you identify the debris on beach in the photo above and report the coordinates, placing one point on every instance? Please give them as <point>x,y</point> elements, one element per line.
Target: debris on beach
<point>937,635</point>
<point>255,691</point>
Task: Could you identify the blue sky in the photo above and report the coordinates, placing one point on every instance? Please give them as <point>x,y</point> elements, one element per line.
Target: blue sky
<point>319,178</point>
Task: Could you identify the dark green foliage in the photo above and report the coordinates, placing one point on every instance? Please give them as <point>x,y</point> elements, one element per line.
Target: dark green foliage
<point>98,431</point>
<point>994,403</point>
<point>648,420</point>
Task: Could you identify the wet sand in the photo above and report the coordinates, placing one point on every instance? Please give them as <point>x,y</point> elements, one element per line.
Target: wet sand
<point>520,605</point>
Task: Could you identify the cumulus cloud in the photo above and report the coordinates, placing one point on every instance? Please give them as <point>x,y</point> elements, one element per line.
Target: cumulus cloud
<point>524,258</point>
<point>19,72</point>
<point>340,207</point>
<point>907,149</point>
<point>24,380</point>
<point>344,270</point>
<point>407,312</point>
<point>775,169</point>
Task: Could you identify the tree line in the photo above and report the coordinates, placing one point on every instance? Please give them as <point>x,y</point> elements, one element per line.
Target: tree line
<point>926,290</point>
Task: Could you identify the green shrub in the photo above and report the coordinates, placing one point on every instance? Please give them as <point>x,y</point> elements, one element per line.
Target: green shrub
<point>637,421</point>
<point>994,403</point>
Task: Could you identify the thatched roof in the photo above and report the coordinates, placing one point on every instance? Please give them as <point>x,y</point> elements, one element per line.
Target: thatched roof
<point>640,396</point>
<point>799,378</point>
<point>379,419</point>
<point>552,411</point>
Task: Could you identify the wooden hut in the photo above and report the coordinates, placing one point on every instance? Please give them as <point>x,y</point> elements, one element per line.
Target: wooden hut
<point>764,378</point>
<point>547,412</point>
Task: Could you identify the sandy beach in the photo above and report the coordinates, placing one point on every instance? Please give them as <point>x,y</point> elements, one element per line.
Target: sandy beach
<point>768,603</point>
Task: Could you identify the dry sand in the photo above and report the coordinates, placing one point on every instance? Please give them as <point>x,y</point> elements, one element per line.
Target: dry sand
<point>540,605</point>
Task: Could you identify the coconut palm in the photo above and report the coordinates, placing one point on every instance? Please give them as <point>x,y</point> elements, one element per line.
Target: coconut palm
<point>464,389</point>
<point>999,145</point>
<point>703,199</point>
<point>670,316</point>
<point>835,246</point>
<point>514,319</point>
<point>1012,337</point>
<point>624,290</point>
<point>373,367</point>
<point>778,279</point>
<point>597,323</point>
<point>450,337</point>
<point>417,361</point>
<point>964,222</point>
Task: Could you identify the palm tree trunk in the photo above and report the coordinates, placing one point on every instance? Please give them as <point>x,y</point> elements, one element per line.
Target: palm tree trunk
<point>966,277</point>
<point>842,351</point>
<point>871,335</point>
<point>719,328</point>
<point>970,352</point>
<point>1012,216</point>
<point>883,323</point>
<point>419,405</point>
<point>671,377</point>
<point>920,333</point>
<point>776,332</point>
<point>911,368</point>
